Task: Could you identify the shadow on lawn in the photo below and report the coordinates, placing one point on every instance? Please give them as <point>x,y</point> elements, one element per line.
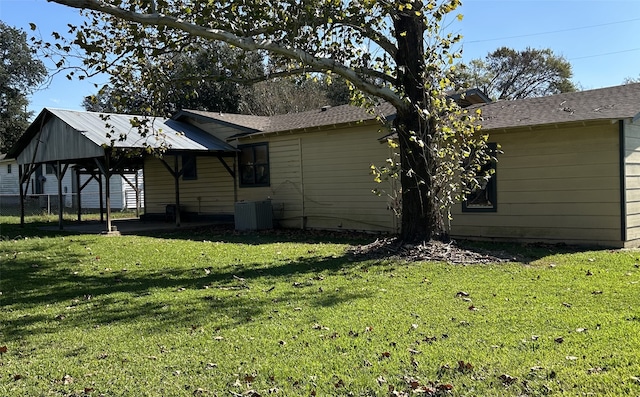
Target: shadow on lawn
<point>91,298</point>
<point>157,300</point>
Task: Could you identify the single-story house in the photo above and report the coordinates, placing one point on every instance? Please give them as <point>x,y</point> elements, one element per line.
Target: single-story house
<point>568,169</point>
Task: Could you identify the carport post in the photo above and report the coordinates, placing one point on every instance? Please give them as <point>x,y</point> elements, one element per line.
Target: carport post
<point>22,193</point>
<point>78,199</point>
<point>60,200</point>
<point>107,190</point>
<point>177,179</point>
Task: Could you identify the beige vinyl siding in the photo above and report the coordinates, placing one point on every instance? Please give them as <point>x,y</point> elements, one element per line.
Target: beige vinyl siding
<point>322,180</point>
<point>211,193</point>
<point>558,183</point>
<point>285,189</point>
<point>632,181</point>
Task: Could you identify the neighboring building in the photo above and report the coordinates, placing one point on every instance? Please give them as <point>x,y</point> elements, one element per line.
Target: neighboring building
<point>8,175</point>
<point>43,182</point>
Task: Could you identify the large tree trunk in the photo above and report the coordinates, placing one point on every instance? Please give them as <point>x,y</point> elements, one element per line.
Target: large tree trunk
<point>419,210</point>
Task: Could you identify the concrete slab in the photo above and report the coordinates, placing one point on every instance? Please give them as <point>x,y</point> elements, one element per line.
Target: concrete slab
<point>129,226</point>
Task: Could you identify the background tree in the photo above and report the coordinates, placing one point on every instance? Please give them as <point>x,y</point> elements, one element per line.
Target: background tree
<point>290,94</point>
<point>20,73</point>
<point>205,77</point>
<point>391,51</point>
<point>509,74</point>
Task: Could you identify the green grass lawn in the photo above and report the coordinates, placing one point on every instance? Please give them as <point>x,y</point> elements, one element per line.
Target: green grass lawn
<point>218,314</point>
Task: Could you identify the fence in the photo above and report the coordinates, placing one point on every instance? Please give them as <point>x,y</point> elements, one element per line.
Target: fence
<point>47,204</point>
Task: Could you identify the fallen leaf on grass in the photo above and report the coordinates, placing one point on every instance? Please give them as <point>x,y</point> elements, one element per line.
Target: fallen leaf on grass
<point>462,294</point>
<point>559,339</point>
<point>636,379</point>
<point>595,370</point>
<point>385,355</point>
<point>565,304</point>
<point>464,367</point>
<point>571,358</point>
<point>3,350</point>
<point>17,377</point>
<point>596,293</point>
<point>67,380</point>
<point>507,379</point>
<point>218,337</point>
<point>444,386</point>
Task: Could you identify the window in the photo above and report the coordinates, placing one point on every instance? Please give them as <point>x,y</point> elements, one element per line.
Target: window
<point>8,168</point>
<point>484,198</point>
<point>189,171</point>
<point>50,170</point>
<point>254,165</point>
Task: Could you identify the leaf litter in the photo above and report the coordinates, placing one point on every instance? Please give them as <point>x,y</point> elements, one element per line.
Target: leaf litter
<point>433,250</point>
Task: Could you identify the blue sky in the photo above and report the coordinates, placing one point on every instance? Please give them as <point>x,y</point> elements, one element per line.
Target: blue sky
<point>601,38</point>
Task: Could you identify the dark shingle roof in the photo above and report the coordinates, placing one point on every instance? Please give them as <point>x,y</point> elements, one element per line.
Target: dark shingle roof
<point>325,116</point>
<point>619,102</point>
<point>612,103</point>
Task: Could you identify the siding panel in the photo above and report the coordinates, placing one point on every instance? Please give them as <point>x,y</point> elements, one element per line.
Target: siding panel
<point>554,184</point>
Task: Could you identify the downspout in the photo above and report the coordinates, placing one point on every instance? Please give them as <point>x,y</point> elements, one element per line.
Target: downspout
<point>303,224</point>
<point>623,183</point>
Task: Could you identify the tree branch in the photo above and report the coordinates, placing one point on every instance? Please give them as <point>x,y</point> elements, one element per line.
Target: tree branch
<point>245,43</point>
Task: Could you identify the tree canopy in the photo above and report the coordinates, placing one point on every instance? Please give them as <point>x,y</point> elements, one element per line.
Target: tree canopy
<point>391,51</point>
<point>201,80</point>
<point>20,73</point>
<point>510,74</point>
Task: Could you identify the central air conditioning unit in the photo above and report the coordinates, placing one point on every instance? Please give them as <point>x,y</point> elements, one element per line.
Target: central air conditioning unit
<point>253,215</point>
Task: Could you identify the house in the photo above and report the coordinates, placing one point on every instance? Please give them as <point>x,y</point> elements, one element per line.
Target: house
<point>8,176</point>
<point>568,169</point>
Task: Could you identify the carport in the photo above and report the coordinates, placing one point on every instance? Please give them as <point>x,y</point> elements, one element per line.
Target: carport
<point>102,145</point>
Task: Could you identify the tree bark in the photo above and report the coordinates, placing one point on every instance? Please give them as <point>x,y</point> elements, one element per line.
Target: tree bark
<point>419,212</point>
